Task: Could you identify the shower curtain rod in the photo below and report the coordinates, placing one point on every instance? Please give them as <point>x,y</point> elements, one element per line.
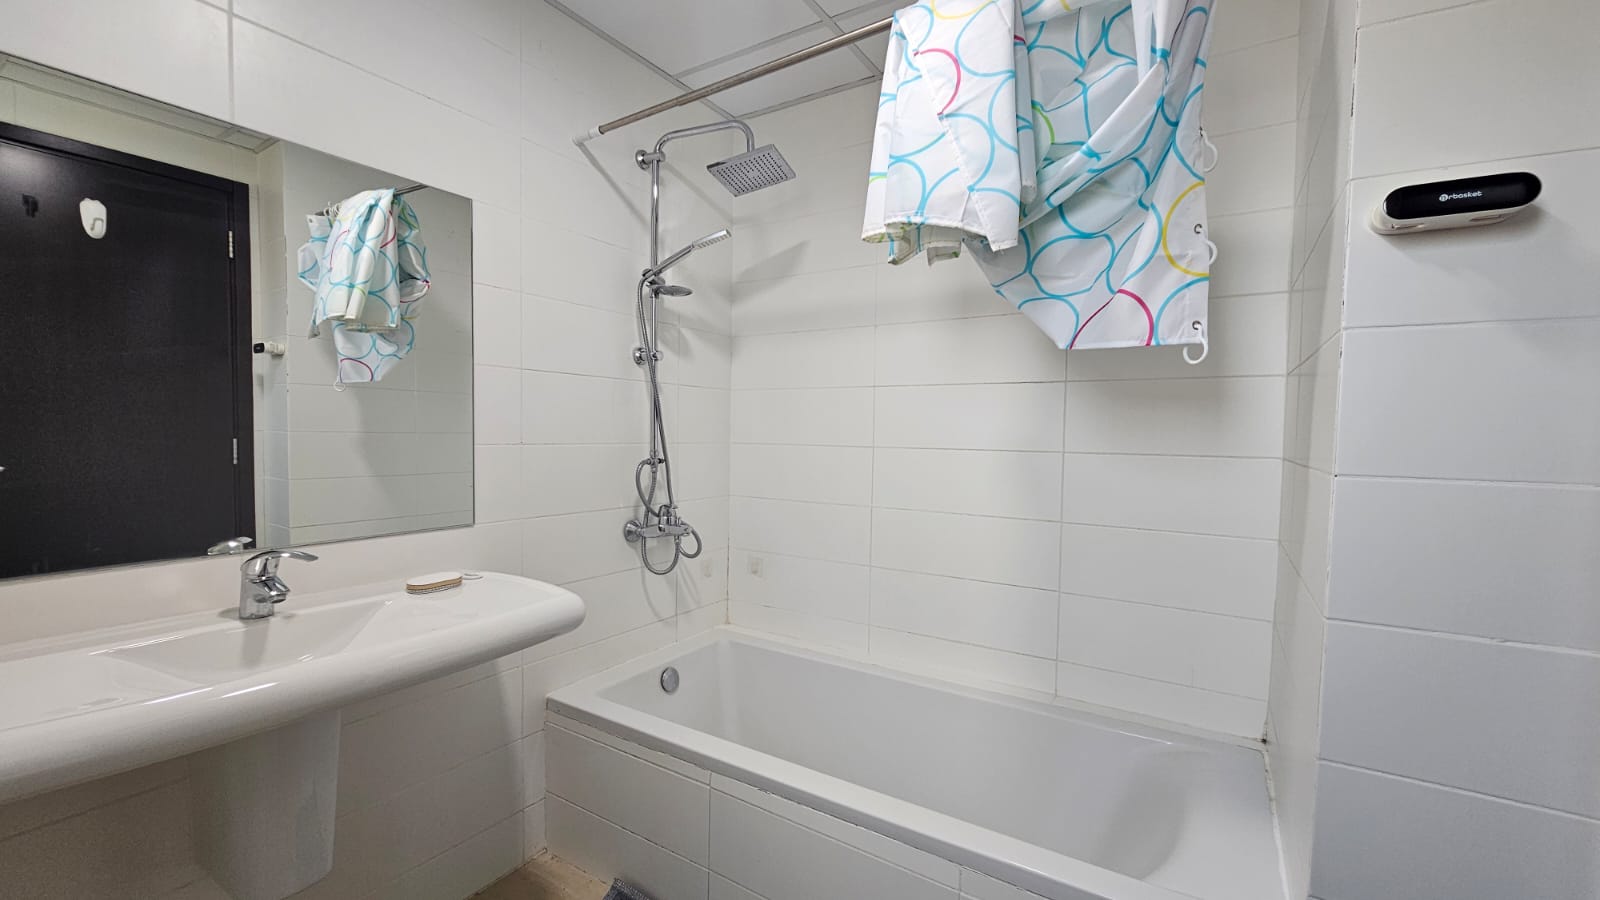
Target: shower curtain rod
<point>332,209</point>
<point>767,68</point>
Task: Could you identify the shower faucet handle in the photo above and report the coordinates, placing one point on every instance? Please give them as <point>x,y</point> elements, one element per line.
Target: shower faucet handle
<point>667,524</point>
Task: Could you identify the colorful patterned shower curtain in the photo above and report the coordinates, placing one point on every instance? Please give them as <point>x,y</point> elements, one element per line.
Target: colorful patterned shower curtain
<point>367,267</point>
<point>1062,145</point>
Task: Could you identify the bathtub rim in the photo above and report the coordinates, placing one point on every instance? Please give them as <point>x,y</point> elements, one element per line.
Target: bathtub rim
<point>1031,867</point>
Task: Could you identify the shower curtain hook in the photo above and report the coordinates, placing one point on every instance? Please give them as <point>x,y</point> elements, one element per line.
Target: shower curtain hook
<point>1205,345</point>
<point>1216,156</point>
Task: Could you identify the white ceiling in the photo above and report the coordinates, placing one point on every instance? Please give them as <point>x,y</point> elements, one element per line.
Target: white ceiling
<point>696,42</point>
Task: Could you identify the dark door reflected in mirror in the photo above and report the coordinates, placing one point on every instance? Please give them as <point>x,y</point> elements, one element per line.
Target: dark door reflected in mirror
<point>124,334</point>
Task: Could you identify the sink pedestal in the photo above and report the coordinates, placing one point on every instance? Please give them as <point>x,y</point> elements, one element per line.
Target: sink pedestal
<point>264,808</point>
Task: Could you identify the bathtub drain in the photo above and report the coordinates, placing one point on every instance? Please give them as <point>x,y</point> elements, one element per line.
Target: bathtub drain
<point>669,679</point>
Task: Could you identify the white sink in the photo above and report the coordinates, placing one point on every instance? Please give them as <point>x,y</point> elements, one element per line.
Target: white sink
<point>107,701</point>
<point>256,702</point>
<point>226,652</point>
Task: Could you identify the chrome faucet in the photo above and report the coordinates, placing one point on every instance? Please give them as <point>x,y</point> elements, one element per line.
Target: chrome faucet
<point>262,587</point>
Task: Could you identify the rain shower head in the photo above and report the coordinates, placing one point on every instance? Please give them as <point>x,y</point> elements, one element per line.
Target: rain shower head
<point>749,172</point>
<point>713,238</point>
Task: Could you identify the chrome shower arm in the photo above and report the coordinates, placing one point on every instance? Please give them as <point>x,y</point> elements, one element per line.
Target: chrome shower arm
<point>696,130</point>
<point>651,162</point>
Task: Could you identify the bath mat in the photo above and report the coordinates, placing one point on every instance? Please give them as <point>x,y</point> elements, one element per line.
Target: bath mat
<point>621,890</point>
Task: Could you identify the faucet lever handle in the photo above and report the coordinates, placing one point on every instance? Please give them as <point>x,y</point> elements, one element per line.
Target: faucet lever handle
<point>264,566</point>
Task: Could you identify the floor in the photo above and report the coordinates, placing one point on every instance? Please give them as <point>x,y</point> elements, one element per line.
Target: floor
<point>545,878</point>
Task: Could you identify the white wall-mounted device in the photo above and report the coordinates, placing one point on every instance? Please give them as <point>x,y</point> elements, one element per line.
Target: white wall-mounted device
<point>93,213</point>
<point>1458,203</point>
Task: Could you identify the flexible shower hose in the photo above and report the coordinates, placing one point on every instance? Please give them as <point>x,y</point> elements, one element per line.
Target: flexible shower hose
<point>657,462</point>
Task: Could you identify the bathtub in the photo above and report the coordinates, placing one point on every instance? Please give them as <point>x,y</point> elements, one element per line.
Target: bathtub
<point>780,772</point>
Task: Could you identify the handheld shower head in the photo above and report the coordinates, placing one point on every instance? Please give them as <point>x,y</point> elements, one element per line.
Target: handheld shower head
<point>715,237</point>
<point>699,244</point>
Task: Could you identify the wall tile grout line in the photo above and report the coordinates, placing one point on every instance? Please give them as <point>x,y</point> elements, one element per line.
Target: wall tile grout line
<point>1452,789</point>
<point>1477,639</point>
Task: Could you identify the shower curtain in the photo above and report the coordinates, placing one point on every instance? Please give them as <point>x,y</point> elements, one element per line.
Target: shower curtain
<point>367,268</point>
<point>1061,144</point>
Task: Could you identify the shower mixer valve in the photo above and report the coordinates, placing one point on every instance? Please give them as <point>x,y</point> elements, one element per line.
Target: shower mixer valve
<point>667,524</point>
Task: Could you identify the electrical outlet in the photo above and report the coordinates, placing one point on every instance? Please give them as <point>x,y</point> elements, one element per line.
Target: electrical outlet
<point>756,565</point>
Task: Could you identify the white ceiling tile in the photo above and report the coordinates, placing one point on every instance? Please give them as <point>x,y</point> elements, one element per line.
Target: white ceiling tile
<point>877,46</point>
<point>820,74</point>
<point>679,36</point>
<point>835,7</point>
<point>745,58</point>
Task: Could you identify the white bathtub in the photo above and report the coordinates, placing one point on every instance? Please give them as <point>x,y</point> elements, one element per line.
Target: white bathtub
<point>956,792</point>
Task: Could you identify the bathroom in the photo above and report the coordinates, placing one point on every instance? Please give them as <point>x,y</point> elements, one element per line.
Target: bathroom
<point>949,612</point>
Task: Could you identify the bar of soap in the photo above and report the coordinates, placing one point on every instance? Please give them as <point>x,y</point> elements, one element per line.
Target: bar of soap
<point>433,581</point>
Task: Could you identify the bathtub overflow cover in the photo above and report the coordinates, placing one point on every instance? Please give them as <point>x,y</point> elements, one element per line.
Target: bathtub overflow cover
<point>669,680</point>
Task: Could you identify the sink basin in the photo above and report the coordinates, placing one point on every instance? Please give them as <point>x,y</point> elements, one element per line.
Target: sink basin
<point>104,702</point>
<point>236,651</point>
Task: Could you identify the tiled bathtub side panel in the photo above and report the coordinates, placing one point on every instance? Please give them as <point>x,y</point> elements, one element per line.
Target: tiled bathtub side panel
<point>616,815</point>
<point>616,810</point>
<point>647,800</point>
<point>779,859</point>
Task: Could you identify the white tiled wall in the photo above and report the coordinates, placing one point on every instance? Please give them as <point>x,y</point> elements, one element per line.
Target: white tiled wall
<point>679,832</point>
<point>1437,687</point>
<point>1312,348</point>
<point>441,784</point>
<point>920,475</point>
<point>1462,687</point>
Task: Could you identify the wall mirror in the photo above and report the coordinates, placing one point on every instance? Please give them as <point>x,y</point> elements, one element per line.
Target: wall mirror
<point>164,392</point>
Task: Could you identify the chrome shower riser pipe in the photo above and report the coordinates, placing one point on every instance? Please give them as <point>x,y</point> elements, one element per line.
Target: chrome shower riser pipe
<point>657,522</point>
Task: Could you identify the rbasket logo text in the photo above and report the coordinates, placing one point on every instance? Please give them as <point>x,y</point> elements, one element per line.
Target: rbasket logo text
<point>1464,195</point>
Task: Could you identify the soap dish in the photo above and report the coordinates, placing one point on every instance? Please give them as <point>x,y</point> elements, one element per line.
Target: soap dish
<point>433,582</point>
